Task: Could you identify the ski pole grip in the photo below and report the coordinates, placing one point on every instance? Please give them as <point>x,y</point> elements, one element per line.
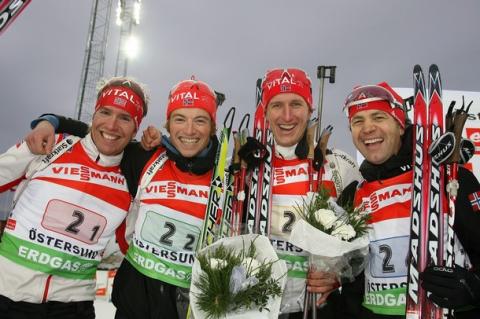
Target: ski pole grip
<point>236,147</point>
<point>322,72</point>
<point>449,117</point>
<point>458,124</point>
<point>310,140</point>
<point>220,98</point>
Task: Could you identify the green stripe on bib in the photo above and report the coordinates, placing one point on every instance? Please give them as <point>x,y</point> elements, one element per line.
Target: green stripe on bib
<point>153,267</point>
<point>386,302</point>
<point>297,265</point>
<point>45,259</point>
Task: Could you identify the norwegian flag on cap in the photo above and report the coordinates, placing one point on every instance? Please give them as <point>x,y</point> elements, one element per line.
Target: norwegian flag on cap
<point>120,102</point>
<point>475,201</point>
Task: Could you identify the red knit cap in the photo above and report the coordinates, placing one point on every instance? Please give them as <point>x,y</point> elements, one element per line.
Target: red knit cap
<point>192,94</point>
<point>278,81</point>
<point>375,97</point>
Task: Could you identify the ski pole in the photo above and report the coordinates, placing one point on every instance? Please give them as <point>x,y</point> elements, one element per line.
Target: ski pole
<point>455,122</point>
<point>323,72</point>
<point>241,170</point>
<point>322,75</point>
<point>312,137</point>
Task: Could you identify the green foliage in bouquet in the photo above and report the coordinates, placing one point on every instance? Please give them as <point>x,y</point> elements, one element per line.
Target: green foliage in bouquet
<point>344,222</point>
<point>215,297</point>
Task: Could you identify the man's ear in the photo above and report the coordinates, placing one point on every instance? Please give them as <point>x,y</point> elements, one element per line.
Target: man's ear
<point>167,126</point>
<point>213,128</point>
<point>134,134</point>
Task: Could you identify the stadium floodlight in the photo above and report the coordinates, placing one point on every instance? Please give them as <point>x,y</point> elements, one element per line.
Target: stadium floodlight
<point>119,11</point>
<point>131,47</point>
<point>136,11</point>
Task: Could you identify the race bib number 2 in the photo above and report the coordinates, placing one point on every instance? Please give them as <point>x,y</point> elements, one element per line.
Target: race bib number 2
<point>74,221</point>
<point>169,233</point>
<point>283,220</point>
<point>389,257</point>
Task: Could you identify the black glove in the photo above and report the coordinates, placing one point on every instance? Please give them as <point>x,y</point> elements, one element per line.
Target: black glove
<point>253,152</point>
<point>451,287</point>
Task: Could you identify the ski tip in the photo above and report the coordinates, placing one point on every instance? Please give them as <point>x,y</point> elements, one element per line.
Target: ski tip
<point>258,91</point>
<point>435,81</point>
<point>417,72</point>
<point>418,80</point>
<point>433,68</point>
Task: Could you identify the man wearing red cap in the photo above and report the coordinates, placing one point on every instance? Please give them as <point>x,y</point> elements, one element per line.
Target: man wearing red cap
<point>382,135</point>
<point>287,102</point>
<point>67,207</point>
<point>170,185</point>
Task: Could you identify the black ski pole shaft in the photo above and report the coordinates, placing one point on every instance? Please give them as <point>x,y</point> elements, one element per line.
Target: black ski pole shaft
<point>323,72</point>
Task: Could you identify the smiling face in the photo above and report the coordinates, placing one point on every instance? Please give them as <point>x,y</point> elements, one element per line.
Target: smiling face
<point>288,115</point>
<point>190,130</point>
<point>112,129</point>
<point>376,134</point>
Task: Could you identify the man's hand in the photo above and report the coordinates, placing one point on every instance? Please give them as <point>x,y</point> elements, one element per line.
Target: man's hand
<point>41,139</point>
<point>151,138</point>
<point>451,287</point>
<point>322,282</point>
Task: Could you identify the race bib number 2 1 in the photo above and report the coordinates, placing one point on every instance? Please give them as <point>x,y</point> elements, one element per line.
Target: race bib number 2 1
<point>74,221</point>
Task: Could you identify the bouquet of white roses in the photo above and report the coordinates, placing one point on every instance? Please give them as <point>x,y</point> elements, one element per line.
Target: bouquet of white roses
<point>237,277</point>
<point>336,237</point>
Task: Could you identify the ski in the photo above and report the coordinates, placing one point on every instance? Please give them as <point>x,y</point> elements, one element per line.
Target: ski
<point>434,252</point>
<point>213,209</point>
<point>415,295</point>
<point>226,226</point>
<point>264,202</point>
<point>9,11</point>
<point>256,178</point>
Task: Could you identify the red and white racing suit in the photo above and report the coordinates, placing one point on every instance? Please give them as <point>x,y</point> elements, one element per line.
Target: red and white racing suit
<point>290,187</point>
<point>64,215</point>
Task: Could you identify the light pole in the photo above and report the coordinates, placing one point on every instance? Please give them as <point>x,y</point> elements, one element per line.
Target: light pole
<point>128,16</point>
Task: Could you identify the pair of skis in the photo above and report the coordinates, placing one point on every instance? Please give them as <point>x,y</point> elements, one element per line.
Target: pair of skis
<point>426,231</point>
<point>214,212</point>
<point>224,220</point>
<point>260,192</point>
<point>432,147</point>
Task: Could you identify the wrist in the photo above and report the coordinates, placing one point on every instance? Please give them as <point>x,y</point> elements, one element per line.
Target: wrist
<point>52,119</point>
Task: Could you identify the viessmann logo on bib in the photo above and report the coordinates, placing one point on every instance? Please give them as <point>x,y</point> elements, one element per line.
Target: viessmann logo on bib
<point>85,173</point>
<point>172,189</point>
<point>387,196</point>
<point>292,174</point>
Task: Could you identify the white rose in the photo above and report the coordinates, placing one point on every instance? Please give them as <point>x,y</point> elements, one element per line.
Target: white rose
<point>251,265</point>
<point>326,217</point>
<point>216,263</point>
<point>344,232</point>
